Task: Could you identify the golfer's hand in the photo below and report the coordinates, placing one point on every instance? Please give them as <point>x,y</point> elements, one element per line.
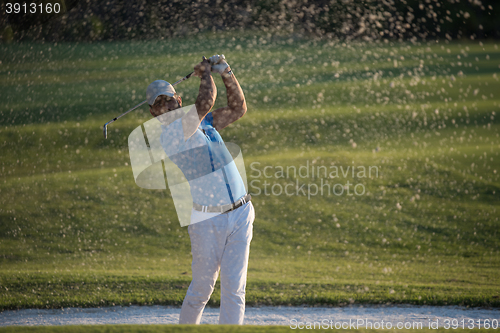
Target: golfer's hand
<point>219,63</point>
<point>202,68</point>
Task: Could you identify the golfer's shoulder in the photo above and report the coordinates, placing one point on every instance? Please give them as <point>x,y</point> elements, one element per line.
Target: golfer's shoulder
<point>172,136</point>
<point>171,129</point>
<point>179,143</point>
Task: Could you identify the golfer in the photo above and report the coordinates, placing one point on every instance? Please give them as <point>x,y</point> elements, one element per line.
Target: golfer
<point>222,215</point>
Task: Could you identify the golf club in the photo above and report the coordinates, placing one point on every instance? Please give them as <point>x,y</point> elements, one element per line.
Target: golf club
<point>105,128</point>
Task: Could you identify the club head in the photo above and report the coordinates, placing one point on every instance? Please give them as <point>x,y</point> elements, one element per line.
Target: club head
<point>105,131</point>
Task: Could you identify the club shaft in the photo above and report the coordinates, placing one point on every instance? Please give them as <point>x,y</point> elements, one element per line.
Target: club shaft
<point>183,79</point>
<point>132,109</point>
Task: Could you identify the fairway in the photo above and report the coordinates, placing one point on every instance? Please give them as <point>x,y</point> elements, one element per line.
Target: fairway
<point>420,228</point>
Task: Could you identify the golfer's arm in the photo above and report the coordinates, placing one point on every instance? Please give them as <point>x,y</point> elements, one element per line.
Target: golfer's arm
<point>204,103</point>
<point>236,105</point>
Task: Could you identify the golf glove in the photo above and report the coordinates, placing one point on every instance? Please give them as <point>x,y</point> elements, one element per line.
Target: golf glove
<point>219,64</point>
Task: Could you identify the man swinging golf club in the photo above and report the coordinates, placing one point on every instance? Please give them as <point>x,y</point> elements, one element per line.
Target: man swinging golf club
<point>222,215</point>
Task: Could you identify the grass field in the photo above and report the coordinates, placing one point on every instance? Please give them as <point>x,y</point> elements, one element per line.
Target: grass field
<point>76,231</point>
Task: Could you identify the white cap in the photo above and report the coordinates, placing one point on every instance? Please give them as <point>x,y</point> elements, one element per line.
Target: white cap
<point>157,88</point>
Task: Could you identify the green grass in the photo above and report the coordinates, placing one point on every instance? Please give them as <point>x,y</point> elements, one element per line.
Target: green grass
<point>76,231</point>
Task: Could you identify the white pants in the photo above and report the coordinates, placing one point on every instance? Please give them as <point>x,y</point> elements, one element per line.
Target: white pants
<point>221,242</point>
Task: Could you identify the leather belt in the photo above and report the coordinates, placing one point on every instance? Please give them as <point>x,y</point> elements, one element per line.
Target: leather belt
<point>223,208</point>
